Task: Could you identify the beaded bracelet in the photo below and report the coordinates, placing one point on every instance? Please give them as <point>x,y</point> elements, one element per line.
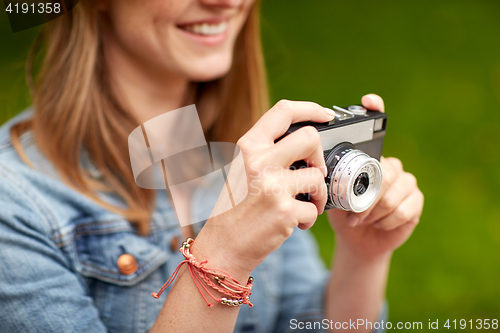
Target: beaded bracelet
<point>215,278</point>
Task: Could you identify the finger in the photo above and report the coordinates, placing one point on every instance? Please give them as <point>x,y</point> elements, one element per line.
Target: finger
<point>275,122</point>
<point>311,181</point>
<point>303,144</point>
<point>393,197</point>
<point>409,210</point>
<point>307,214</point>
<point>373,102</point>
<point>390,171</point>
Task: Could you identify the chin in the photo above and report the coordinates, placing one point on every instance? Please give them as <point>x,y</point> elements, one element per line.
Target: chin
<point>213,69</point>
<point>208,76</point>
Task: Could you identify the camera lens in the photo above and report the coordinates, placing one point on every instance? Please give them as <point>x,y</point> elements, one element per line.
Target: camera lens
<point>354,178</point>
<point>361,184</point>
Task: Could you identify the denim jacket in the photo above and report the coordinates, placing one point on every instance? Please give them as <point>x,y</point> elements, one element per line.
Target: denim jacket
<point>59,252</point>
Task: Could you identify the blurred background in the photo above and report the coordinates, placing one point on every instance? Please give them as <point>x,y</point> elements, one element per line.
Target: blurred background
<point>437,66</point>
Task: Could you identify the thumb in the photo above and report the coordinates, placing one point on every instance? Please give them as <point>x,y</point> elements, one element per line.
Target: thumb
<point>373,102</point>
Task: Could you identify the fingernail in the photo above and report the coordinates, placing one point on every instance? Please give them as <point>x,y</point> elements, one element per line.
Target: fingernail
<point>330,111</point>
<point>371,96</point>
<point>324,170</point>
<point>352,220</point>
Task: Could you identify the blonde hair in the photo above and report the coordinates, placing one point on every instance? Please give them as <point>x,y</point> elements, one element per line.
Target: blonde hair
<point>75,108</point>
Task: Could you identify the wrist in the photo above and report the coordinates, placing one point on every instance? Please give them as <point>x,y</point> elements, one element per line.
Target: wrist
<point>219,256</point>
<point>366,273</point>
<point>359,258</point>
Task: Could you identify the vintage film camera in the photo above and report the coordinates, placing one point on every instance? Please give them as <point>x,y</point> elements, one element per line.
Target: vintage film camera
<point>352,145</point>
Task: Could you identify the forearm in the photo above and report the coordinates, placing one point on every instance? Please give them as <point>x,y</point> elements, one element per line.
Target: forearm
<point>356,288</point>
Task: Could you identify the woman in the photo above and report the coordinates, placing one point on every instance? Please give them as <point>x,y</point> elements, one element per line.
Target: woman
<point>83,246</point>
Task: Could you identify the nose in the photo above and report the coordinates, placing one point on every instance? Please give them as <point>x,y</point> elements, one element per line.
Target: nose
<point>222,3</point>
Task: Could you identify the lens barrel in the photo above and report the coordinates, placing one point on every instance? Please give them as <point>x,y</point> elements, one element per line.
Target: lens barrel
<point>354,178</point>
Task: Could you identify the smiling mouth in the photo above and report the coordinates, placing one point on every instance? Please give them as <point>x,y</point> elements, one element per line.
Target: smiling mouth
<point>206,29</point>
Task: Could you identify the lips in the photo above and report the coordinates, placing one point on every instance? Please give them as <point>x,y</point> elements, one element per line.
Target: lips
<point>205,28</point>
<point>208,32</point>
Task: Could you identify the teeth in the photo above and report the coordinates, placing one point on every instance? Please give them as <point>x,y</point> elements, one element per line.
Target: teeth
<point>207,29</point>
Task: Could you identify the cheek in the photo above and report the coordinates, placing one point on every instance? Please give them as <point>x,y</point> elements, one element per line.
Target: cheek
<point>133,22</point>
<point>137,11</point>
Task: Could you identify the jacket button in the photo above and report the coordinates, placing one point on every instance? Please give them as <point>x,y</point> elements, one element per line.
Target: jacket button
<point>127,264</point>
<point>174,243</point>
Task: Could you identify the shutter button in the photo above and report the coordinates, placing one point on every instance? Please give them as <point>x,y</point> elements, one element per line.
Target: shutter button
<point>127,264</point>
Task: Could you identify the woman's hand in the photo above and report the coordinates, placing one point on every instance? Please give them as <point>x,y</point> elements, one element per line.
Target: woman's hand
<point>239,239</point>
<point>390,221</point>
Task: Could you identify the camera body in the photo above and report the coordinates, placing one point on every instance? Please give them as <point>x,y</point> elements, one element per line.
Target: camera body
<point>352,145</point>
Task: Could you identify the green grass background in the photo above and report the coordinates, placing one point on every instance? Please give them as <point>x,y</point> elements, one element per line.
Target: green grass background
<point>437,66</point>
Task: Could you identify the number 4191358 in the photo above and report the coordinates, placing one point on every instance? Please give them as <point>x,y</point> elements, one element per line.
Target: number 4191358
<point>479,324</point>
<point>40,8</point>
